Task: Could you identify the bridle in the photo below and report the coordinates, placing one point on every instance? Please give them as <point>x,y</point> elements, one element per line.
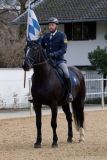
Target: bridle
<point>29,59</point>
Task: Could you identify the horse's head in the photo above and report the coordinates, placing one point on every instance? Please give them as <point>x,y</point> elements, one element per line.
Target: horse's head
<point>34,54</point>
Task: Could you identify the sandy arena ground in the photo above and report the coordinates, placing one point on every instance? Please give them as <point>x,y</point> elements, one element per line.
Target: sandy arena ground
<point>17,137</point>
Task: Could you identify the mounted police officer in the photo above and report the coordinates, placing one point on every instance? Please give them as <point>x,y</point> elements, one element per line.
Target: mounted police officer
<point>55,45</point>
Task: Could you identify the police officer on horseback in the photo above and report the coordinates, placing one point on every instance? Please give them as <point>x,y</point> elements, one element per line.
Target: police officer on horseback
<point>55,45</point>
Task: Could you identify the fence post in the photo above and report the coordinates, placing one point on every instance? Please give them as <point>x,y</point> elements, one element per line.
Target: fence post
<point>102,92</point>
<point>29,86</point>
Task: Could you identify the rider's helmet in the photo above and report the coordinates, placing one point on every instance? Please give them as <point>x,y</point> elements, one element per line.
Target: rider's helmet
<point>53,20</point>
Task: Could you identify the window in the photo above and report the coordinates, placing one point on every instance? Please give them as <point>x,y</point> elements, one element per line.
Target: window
<point>80,30</point>
<point>77,31</point>
<point>89,30</point>
<point>68,30</point>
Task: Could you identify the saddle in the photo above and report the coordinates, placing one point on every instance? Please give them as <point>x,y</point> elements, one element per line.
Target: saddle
<point>73,78</point>
<point>61,77</point>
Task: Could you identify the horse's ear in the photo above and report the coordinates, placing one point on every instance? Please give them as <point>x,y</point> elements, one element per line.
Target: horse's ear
<point>34,42</point>
<point>31,43</point>
<point>34,46</point>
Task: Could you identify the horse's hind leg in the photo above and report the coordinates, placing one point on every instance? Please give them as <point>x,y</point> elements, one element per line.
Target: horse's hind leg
<point>37,109</point>
<point>54,125</point>
<point>68,114</point>
<point>78,111</point>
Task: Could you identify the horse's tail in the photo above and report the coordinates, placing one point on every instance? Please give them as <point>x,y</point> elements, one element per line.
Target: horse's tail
<point>78,108</point>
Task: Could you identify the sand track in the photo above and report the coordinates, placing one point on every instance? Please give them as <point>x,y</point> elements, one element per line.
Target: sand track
<point>17,137</point>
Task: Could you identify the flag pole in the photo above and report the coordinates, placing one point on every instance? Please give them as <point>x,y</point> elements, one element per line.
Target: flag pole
<point>24,78</point>
<point>27,37</point>
<point>28,19</point>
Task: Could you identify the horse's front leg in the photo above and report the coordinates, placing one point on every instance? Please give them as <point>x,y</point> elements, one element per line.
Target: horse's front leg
<point>37,109</point>
<point>54,125</point>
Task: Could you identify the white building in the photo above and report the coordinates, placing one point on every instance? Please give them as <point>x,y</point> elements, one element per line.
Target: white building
<point>77,53</point>
<point>84,22</point>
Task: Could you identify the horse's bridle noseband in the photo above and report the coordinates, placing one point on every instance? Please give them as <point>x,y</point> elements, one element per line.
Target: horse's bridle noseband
<point>30,58</point>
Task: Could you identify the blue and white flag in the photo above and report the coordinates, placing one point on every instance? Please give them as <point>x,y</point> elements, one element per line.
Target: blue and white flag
<point>33,27</point>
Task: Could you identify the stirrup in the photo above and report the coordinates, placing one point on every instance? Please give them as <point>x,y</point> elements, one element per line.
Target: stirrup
<point>69,97</point>
<point>30,99</point>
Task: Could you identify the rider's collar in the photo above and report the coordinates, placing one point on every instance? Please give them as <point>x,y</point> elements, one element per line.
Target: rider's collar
<point>54,33</point>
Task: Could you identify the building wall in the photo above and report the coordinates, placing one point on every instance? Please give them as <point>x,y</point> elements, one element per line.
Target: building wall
<point>12,91</point>
<point>77,52</point>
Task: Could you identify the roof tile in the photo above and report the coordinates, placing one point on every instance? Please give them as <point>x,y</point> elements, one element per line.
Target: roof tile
<point>70,10</point>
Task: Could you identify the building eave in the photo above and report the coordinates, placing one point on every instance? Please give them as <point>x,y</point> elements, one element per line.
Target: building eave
<point>44,22</point>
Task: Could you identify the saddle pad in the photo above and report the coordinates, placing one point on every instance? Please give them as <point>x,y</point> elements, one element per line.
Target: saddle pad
<point>74,79</point>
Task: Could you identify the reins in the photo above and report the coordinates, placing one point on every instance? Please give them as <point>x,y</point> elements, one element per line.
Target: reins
<point>40,63</point>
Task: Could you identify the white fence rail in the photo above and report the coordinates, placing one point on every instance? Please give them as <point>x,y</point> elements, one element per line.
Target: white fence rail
<point>101,92</point>
<point>15,100</point>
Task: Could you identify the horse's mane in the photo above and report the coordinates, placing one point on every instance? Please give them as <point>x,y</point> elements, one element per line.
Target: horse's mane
<point>40,50</point>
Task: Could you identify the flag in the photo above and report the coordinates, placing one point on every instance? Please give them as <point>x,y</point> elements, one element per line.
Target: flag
<point>33,27</point>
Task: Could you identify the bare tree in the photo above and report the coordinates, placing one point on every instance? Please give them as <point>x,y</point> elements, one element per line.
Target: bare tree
<point>10,2</point>
<point>9,5</point>
<point>11,47</point>
<point>22,10</point>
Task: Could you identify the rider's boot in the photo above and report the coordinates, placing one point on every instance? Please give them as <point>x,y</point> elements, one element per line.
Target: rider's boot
<point>68,84</point>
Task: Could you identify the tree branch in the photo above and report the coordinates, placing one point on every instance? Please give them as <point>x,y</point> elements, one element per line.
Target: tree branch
<point>4,11</point>
<point>34,1</point>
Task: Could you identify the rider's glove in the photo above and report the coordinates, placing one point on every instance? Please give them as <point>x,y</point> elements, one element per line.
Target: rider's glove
<point>25,67</point>
<point>51,54</point>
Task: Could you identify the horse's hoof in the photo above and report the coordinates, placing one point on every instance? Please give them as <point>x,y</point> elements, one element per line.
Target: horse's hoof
<point>37,145</point>
<point>54,145</point>
<point>69,140</point>
<point>81,140</point>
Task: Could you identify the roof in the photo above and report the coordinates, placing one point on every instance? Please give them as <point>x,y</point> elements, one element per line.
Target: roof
<point>69,10</point>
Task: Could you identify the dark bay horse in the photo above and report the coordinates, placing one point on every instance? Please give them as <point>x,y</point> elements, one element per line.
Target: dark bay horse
<point>47,89</point>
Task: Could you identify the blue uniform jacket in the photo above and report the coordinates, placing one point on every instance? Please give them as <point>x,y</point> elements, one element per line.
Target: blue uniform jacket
<point>57,45</point>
